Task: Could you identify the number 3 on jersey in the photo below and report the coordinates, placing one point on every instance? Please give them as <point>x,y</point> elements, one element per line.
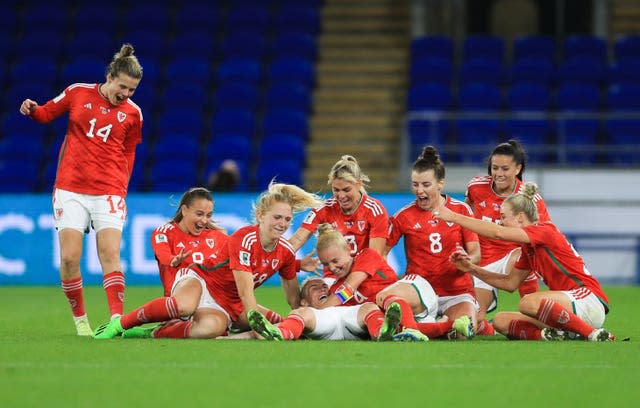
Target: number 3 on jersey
<point>103,132</point>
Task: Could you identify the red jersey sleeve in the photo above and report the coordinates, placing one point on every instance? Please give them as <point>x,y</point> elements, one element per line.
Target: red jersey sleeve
<point>312,220</point>
<point>54,108</point>
<point>239,256</point>
<point>288,271</point>
<point>366,261</point>
<point>161,247</point>
<point>380,225</point>
<point>523,261</point>
<point>395,231</point>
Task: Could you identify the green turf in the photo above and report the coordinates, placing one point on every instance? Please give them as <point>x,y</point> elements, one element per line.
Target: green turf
<point>42,363</point>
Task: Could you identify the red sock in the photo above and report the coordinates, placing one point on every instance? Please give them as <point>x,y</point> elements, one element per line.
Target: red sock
<point>407,319</point>
<point>114,287</point>
<point>374,320</point>
<point>523,330</point>
<point>555,315</point>
<point>485,328</point>
<point>530,285</point>
<point>273,317</point>
<point>158,310</point>
<point>72,289</point>
<point>291,327</point>
<point>175,329</point>
<point>436,329</point>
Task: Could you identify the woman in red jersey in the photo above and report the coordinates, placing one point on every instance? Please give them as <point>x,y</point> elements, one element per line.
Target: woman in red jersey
<point>362,219</point>
<point>252,255</point>
<point>94,167</point>
<point>428,243</point>
<point>485,195</point>
<point>346,311</point>
<point>574,303</point>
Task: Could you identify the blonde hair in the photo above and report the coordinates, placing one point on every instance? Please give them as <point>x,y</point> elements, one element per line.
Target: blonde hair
<point>348,169</point>
<point>296,197</point>
<point>524,203</point>
<point>327,235</point>
<point>125,62</point>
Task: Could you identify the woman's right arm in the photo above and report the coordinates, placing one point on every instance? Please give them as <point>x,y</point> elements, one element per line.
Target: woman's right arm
<point>300,237</point>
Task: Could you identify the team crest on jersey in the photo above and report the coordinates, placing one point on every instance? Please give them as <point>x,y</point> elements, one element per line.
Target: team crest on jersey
<point>209,242</point>
<point>161,238</point>
<point>274,263</point>
<point>310,217</point>
<point>104,110</point>
<point>362,225</point>
<point>245,258</point>
<point>121,116</point>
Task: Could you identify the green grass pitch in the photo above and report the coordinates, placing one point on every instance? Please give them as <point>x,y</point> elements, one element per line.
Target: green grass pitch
<point>43,364</point>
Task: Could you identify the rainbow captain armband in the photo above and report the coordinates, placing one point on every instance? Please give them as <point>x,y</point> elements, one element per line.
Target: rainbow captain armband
<point>344,293</point>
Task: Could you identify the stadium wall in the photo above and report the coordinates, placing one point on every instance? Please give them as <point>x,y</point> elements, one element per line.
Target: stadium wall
<point>606,236</point>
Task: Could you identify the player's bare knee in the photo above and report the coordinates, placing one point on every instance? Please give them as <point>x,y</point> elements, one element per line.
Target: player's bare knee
<point>187,307</point>
<point>529,305</point>
<point>501,322</point>
<point>305,312</point>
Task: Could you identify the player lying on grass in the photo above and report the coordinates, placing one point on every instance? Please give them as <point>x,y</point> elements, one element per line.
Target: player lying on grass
<point>223,285</point>
<point>546,315</point>
<point>330,312</point>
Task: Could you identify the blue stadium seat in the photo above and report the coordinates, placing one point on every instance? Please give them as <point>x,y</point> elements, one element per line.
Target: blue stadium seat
<point>21,147</point>
<point>9,22</point>
<point>288,95</point>
<point>146,97</point>
<point>16,125</point>
<point>176,147</point>
<point>149,42</point>
<point>430,69</point>
<point>295,44</point>
<point>87,15</point>
<point>529,96</point>
<point>429,96</point>
<point>245,70</point>
<point>533,70</point>
<point>578,97</point>
<point>138,180</point>
<point>283,145</point>
<point>212,166</point>
<point>84,70</point>
<point>582,69</point>
<point>483,46</point>
<point>150,70</point>
<point>41,43</point>
<point>623,97</point>
<point>248,17</point>
<point>627,46</point>
<point>197,16</point>
<point>180,121</point>
<point>482,70</point>
<point>236,95</point>
<point>283,170</point>
<point>480,96</point>
<point>298,18</point>
<point>432,46</point>
<point>288,121</point>
<point>244,44</point>
<point>622,134</point>
<point>292,69</point>
<point>534,46</point>
<point>173,175</point>
<point>193,70</point>
<point>199,44</point>
<point>18,176</point>
<point>185,94</point>
<point>45,17</point>
<point>585,45</point>
<point>475,138</point>
<point>234,121</point>
<point>579,137</point>
<point>228,146</point>
<point>91,43</point>
<point>425,132</point>
<point>40,71</point>
<point>625,69</point>
<point>534,134</point>
<point>147,16</point>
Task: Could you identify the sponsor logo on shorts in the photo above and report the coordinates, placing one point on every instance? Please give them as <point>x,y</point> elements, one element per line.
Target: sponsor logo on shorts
<point>59,212</point>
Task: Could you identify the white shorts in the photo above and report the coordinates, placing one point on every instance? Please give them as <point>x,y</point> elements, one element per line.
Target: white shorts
<point>338,323</point>
<point>446,302</point>
<point>81,211</point>
<point>427,296</point>
<point>499,266</point>
<point>586,306</point>
<point>206,300</point>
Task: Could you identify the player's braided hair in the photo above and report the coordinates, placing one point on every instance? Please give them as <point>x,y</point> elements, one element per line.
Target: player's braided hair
<point>429,159</point>
<point>524,202</point>
<point>511,148</point>
<point>187,200</point>
<point>327,235</point>
<point>348,169</point>
<point>125,62</point>
<point>296,197</point>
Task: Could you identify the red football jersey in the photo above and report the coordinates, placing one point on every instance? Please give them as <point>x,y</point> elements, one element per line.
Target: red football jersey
<point>429,242</point>
<point>98,151</point>
<point>486,203</point>
<point>380,274</point>
<point>551,256</point>
<point>369,220</point>
<point>168,240</point>
<point>246,254</point>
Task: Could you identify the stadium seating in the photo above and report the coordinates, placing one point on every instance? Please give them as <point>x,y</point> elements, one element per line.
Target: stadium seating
<point>534,46</point>
<point>431,69</point>
<point>433,46</point>
<point>429,96</point>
